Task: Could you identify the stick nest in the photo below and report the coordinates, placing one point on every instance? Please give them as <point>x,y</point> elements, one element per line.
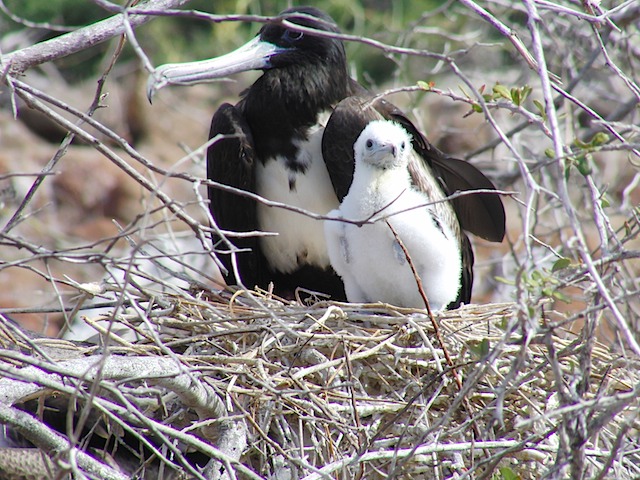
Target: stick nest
<point>255,387</point>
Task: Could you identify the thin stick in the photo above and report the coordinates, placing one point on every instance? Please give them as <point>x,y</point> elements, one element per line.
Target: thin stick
<point>436,327</point>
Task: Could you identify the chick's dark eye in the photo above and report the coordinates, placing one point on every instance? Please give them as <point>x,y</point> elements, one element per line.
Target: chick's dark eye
<point>292,35</point>
<point>369,143</point>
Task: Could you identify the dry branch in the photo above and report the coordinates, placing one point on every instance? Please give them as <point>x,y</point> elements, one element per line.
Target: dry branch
<point>18,62</point>
<point>182,380</point>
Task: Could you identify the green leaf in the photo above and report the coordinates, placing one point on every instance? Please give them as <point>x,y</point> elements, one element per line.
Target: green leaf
<point>584,165</point>
<point>567,169</point>
<point>464,92</point>
<point>501,91</point>
<point>476,108</point>
<point>507,474</point>
<point>516,96</point>
<point>561,264</point>
<point>558,295</point>
<point>536,276</point>
<point>541,109</point>
<point>426,85</point>
<point>480,348</point>
<point>506,281</point>
<point>520,94</point>
<point>550,153</point>
<point>580,144</point>
<point>600,138</point>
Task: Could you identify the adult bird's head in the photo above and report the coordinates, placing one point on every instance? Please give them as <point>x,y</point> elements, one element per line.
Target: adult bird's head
<point>280,46</point>
<point>383,144</point>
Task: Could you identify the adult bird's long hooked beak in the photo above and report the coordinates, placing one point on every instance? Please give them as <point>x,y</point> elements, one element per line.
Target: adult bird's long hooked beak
<point>254,55</point>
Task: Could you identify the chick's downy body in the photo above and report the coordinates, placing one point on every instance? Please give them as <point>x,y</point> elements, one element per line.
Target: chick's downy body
<point>369,257</point>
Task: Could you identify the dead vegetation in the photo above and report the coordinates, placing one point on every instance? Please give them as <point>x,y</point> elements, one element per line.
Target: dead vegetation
<point>330,391</point>
<point>185,381</point>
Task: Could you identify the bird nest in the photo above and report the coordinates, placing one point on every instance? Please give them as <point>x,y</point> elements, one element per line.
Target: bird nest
<point>250,386</point>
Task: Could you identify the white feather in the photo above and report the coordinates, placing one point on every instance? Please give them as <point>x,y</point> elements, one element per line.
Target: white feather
<point>300,238</point>
<point>368,257</point>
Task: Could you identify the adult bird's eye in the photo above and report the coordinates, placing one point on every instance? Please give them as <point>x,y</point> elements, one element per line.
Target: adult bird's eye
<point>292,35</point>
<point>369,143</point>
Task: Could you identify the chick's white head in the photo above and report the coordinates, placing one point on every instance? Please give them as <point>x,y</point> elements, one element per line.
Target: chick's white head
<point>383,144</point>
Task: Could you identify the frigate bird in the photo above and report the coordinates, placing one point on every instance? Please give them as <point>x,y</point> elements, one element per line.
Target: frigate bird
<point>282,142</point>
<point>402,245</point>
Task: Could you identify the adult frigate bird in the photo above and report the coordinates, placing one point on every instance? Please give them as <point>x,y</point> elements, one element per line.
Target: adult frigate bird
<point>290,140</point>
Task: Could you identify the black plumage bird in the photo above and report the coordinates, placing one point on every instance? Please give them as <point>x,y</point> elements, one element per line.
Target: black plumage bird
<point>290,139</point>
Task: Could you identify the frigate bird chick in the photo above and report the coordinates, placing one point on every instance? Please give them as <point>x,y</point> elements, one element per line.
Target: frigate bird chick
<point>373,264</point>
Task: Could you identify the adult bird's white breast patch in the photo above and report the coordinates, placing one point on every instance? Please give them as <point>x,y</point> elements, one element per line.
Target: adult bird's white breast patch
<point>300,238</point>
<point>382,192</point>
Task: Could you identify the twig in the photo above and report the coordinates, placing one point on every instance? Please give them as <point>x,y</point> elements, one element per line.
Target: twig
<point>533,22</point>
<point>50,441</point>
<point>16,63</point>
<point>436,327</point>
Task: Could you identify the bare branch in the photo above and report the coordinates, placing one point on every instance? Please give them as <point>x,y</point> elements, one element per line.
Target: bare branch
<point>16,63</point>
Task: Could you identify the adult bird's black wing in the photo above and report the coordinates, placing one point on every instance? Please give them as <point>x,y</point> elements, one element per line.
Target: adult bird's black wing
<point>479,213</point>
<point>231,161</point>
